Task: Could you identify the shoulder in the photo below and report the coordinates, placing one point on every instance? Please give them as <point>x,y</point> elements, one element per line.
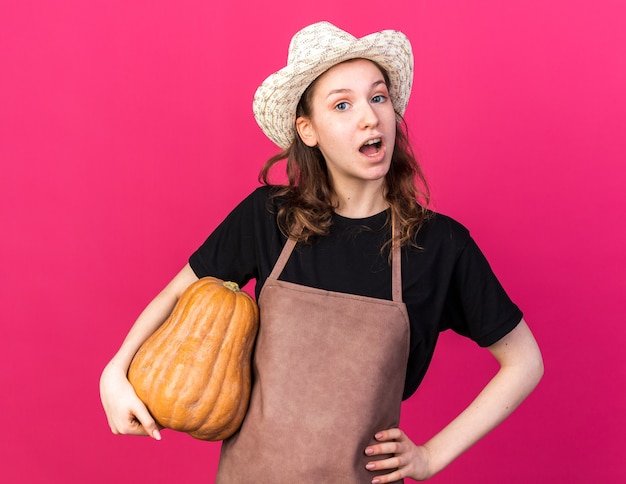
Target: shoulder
<point>259,195</point>
<point>442,230</point>
<point>257,202</point>
<point>258,211</point>
<point>264,197</point>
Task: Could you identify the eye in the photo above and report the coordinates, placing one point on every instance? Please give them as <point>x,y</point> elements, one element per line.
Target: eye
<point>342,106</point>
<point>379,98</point>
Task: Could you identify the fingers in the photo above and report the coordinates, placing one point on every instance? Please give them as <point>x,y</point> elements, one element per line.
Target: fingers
<point>133,419</point>
<point>391,442</point>
<point>125,412</point>
<point>131,425</point>
<point>389,434</point>
<point>394,463</point>
<point>395,443</point>
<point>393,477</point>
<point>137,421</point>
<point>147,423</point>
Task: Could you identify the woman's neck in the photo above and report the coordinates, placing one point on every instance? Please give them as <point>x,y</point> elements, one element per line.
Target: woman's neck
<point>360,203</point>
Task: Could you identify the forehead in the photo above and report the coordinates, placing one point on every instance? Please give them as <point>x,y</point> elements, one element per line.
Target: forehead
<point>349,71</point>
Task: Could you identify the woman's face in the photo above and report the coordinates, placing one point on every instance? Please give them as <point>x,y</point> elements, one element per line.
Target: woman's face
<point>353,123</point>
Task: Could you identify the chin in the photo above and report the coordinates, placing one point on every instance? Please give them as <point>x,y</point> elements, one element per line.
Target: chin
<point>377,174</point>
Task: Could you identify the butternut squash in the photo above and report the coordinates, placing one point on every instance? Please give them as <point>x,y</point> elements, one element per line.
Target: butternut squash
<point>193,373</point>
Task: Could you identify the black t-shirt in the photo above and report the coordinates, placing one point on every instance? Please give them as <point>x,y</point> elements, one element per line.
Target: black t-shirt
<point>446,281</point>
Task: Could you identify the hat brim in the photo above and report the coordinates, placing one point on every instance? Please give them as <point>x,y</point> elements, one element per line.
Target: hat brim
<point>277,98</point>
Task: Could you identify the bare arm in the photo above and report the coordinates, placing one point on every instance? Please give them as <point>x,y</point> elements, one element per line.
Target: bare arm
<point>125,412</point>
<point>521,369</point>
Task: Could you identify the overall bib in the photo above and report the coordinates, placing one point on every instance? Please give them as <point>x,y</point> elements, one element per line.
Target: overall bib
<point>328,372</point>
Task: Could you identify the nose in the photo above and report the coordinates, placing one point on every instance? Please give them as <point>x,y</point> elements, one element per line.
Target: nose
<point>369,116</point>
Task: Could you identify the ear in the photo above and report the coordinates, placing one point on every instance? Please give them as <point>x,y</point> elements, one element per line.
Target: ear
<point>306,131</point>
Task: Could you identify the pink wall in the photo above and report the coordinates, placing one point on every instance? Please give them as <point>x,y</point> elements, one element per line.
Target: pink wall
<point>126,134</point>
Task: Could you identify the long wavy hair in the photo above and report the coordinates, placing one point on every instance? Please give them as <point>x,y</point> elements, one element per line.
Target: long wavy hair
<point>308,199</point>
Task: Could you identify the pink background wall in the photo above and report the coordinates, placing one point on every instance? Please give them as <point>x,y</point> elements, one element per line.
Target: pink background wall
<point>126,134</point>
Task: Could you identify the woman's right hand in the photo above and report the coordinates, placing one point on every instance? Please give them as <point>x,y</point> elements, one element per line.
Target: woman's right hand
<point>125,412</point>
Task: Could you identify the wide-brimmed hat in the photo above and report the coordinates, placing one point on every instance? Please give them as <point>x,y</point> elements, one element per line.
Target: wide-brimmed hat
<point>312,51</point>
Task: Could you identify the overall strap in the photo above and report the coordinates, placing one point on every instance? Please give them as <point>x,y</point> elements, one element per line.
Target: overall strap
<point>396,264</point>
<point>282,258</point>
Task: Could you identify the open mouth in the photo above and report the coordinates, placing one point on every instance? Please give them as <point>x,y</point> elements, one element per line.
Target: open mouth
<point>371,147</point>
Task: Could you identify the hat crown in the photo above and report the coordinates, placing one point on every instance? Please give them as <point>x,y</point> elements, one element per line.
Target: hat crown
<point>314,41</point>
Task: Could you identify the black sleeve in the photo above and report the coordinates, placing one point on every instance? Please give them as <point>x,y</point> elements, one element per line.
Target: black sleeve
<point>229,253</point>
<point>476,305</point>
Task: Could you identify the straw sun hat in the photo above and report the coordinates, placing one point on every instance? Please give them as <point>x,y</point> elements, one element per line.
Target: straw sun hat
<point>312,51</point>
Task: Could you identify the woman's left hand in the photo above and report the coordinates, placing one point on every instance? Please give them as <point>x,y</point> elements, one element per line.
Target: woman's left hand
<point>521,368</point>
<point>408,459</point>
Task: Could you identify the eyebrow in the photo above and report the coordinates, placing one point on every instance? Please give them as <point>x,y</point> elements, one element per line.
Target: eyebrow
<point>345,90</point>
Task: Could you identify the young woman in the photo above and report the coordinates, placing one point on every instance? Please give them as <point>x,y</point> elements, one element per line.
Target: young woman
<point>355,280</point>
